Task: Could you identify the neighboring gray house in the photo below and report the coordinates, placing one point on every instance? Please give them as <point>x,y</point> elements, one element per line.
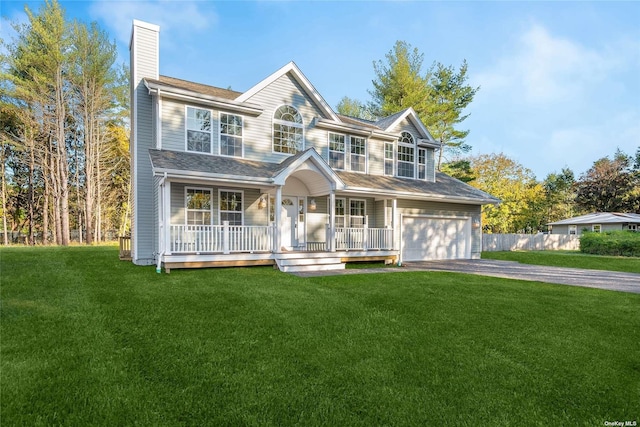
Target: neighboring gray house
<point>274,176</point>
<point>597,222</point>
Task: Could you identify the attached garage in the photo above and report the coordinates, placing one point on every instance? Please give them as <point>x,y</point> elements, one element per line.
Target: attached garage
<point>430,238</point>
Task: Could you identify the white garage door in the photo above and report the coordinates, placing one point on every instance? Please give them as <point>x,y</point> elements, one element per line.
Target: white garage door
<point>435,238</point>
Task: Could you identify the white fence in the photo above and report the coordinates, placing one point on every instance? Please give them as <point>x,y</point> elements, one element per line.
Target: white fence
<point>529,242</point>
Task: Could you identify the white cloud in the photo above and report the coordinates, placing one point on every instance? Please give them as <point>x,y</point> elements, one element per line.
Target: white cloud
<point>171,16</point>
<point>544,68</point>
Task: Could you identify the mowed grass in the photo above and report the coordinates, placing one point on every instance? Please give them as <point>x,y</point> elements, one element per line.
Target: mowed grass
<point>575,259</point>
<point>90,340</point>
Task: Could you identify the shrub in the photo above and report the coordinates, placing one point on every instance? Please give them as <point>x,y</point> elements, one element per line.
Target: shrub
<point>616,243</point>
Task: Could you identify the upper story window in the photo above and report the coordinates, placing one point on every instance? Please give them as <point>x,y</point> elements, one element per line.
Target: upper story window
<point>388,158</point>
<point>406,155</point>
<point>336,150</point>
<point>198,206</point>
<point>230,135</point>
<point>287,130</point>
<point>358,153</point>
<point>422,163</point>
<point>198,130</point>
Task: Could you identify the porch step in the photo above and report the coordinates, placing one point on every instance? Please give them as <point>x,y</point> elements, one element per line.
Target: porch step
<point>313,263</point>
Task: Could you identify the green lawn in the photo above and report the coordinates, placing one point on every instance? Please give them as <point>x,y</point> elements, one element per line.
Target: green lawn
<point>90,340</point>
<point>574,259</point>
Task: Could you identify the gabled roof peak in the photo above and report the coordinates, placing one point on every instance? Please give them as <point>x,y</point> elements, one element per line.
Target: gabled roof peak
<point>297,74</point>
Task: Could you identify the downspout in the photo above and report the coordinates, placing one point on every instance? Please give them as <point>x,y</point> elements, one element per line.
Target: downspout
<point>161,223</point>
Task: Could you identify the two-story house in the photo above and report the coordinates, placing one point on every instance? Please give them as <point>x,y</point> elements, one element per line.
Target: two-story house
<point>274,175</point>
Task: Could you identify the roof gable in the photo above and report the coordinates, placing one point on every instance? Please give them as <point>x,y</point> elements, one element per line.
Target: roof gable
<point>292,69</point>
<point>391,122</point>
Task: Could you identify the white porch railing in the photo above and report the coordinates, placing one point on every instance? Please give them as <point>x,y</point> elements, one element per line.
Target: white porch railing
<point>363,238</point>
<point>228,239</point>
<point>221,238</point>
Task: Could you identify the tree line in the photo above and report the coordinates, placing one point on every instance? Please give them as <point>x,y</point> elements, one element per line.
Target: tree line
<point>64,144</point>
<point>64,141</point>
<point>439,95</point>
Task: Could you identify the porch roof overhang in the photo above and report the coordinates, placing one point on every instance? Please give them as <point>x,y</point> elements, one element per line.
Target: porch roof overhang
<point>444,189</point>
<point>306,166</point>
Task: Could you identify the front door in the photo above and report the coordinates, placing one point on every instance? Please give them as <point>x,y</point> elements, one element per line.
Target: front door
<point>289,226</point>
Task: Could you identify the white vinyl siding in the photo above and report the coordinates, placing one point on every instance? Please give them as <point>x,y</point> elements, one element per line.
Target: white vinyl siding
<point>258,134</point>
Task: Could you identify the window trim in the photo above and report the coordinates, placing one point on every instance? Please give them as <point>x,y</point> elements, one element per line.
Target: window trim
<point>344,153</point>
<point>186,129</point>
<point>275,121</point>
<point>220,134</point>
<point>573,228</point>
<point>418,164</point>
<point>598,226</point>
<point>343,216</point>
<point>220,211</point>
<point>186,208</point>
<point>413,147</point>
<point>392,159</point>
<point>364,213</point>
<point>366,157</point>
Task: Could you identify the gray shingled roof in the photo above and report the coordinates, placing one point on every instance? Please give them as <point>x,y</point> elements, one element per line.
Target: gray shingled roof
<point>385,122</point>
<point>196,87</point>
<point>358,122</point>
<point>166,160</point>
<point>445,186</point>
<point>600,218</point>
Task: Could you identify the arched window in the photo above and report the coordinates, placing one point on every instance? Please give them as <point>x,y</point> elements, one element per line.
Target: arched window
<point>287,130</point>
<point>406,155</point>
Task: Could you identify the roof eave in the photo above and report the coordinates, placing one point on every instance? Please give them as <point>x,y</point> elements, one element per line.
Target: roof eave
<point>167,91</point>
<point>355,129</point>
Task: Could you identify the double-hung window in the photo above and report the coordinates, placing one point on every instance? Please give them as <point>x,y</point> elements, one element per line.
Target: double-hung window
<point>388,158</point>
<point>422,163</point>
<point>198,130</point>
<point>573,229</point>
<point>406,154</point>
<point>198,206</point>
<point>340,212</point>
<point>231,207</point>
<point>287,130</point>
<point>230,135</point>
<point>596,228</point>
<point>356,213</point>
<point>358,154</point>
<point>336,150</point>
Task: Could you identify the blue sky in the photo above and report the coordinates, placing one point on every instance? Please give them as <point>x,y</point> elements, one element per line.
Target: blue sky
<point>560,81</point>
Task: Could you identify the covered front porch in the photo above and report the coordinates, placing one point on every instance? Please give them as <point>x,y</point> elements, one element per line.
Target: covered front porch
<point>299,212</point>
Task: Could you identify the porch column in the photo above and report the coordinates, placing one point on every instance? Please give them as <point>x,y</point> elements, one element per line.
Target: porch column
<point>394,224</point>
<point>332,222</point>
<point>167,217</point>
<point>277,239</point>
